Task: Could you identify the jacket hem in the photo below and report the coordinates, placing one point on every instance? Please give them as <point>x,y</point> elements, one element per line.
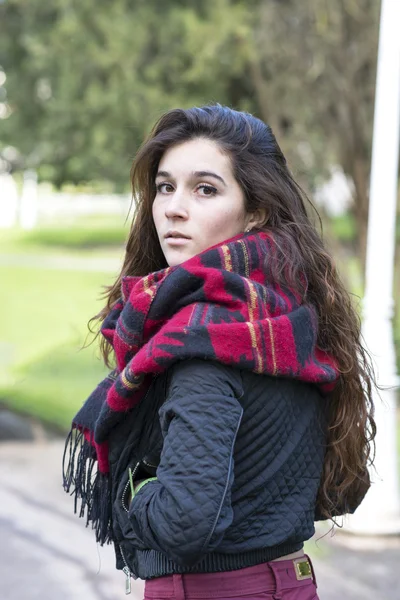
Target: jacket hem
<point>150,564</point>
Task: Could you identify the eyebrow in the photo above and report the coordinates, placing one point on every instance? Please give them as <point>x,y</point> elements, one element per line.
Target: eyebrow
<point>194,174</point>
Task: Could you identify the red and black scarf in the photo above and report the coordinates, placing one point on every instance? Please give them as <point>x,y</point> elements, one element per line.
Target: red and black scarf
<point>223,305</point>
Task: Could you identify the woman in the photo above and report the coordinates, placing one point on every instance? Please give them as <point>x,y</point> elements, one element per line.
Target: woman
<point>239,410</point>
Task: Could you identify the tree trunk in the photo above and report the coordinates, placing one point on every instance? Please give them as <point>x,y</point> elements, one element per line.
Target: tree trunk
<point>360,178</point>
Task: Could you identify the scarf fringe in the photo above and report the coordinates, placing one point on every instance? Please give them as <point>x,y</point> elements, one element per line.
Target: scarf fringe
<point>83,480</point>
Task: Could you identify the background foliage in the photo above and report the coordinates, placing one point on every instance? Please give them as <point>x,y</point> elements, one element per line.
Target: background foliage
<point>88,79</point>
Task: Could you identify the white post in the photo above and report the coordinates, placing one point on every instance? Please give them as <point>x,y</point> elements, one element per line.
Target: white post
<point>380,511</point>
<point>8,201</point>
<point>28,205</point>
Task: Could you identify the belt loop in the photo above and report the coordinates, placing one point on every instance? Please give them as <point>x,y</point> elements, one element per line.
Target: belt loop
<point>312,571</point>
<point>179,589</point>
<point>278,591</point>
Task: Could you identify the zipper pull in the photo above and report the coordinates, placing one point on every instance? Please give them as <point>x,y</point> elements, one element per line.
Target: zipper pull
<point>128,588</point>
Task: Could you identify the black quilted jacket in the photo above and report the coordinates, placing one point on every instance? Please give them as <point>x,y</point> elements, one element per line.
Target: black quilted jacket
<point>238,459</point>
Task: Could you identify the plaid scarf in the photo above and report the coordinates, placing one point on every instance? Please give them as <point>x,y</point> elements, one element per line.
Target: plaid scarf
<point>222,305</point>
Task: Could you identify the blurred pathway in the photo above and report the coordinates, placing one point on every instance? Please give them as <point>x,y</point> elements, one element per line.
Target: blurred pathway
<point>46,552</point>
<point>356,568</point>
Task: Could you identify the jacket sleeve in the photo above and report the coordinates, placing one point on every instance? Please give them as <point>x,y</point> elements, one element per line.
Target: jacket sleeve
<point>185,513</point>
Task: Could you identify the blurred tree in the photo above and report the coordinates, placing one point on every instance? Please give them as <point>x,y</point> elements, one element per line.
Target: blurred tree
<point>313,69</point>
<point>86,80</point>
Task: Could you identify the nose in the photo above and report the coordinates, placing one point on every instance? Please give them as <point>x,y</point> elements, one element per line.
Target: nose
<point>176,207</point>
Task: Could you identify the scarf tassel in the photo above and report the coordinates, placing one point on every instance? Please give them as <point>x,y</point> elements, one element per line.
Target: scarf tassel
<point>83,480</point>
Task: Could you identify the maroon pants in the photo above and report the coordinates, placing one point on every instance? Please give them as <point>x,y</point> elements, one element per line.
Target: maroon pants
<point>277,580</point>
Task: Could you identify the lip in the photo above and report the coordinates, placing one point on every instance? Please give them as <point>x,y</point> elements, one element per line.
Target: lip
<point>178,238</point>
<point>176,241</point>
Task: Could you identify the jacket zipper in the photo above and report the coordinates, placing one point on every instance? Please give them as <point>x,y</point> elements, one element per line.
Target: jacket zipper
<point>137,464</point>
<point>127,486</point>
<point>126,570</point>
<point>148,464</point>
<point>128,573</point>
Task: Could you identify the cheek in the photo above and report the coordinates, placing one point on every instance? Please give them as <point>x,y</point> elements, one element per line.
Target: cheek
<point>156,215</point>
<point>224,220</point>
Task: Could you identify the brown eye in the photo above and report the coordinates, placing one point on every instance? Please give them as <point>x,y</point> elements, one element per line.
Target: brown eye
<point>208,190</point>
<point>162,185</point>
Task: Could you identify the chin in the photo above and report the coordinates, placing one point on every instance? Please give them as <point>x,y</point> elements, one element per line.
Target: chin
<point>175,258</point>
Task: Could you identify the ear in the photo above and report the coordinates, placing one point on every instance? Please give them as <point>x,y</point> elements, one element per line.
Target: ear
<point>257,219</point>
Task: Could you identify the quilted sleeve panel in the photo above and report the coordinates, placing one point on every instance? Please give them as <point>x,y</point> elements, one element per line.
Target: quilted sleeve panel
<point>186,512</point>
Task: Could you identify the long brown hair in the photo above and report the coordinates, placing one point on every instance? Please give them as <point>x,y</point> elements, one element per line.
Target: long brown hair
<point>260,168</point>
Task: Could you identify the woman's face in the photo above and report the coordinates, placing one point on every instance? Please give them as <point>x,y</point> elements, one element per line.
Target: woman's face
<point>198,202</point>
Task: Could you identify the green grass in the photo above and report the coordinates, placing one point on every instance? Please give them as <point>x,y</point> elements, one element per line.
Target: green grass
<point>77,237</point>
<point>43,325</point>
<point>44,308</point>
<point>43,321</point>
<point>54,386</point>
<point>98,236</point>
